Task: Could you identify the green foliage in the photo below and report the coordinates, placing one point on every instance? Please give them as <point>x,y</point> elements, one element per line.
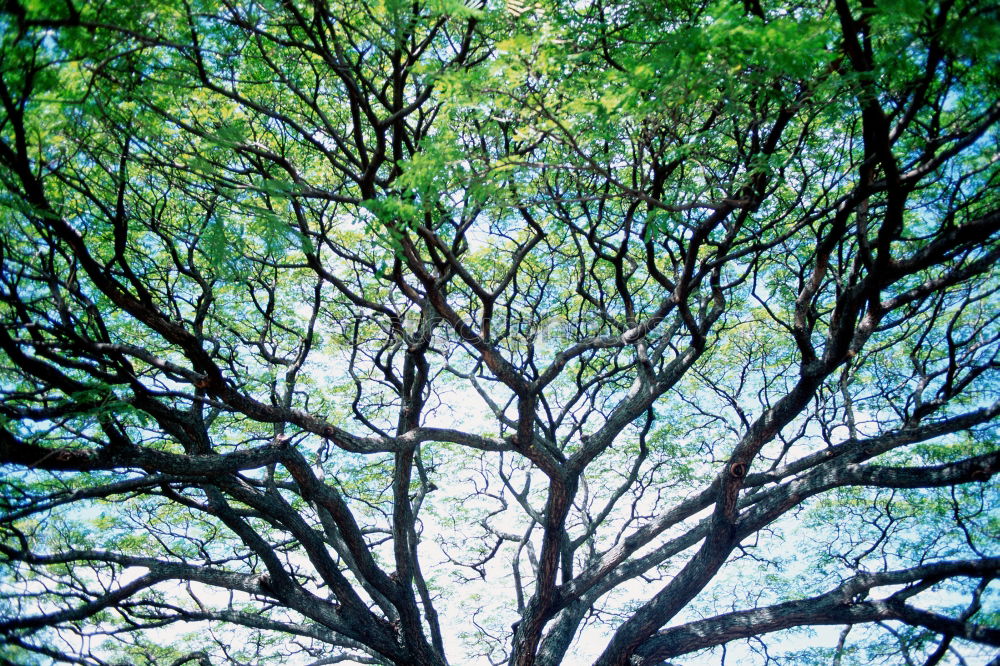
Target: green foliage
<point>528,286</point>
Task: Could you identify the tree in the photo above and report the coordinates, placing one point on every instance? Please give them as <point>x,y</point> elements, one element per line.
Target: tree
<point>403,332</point>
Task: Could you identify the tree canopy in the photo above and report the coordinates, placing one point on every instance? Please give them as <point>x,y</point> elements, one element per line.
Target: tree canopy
<point>612,332</point>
